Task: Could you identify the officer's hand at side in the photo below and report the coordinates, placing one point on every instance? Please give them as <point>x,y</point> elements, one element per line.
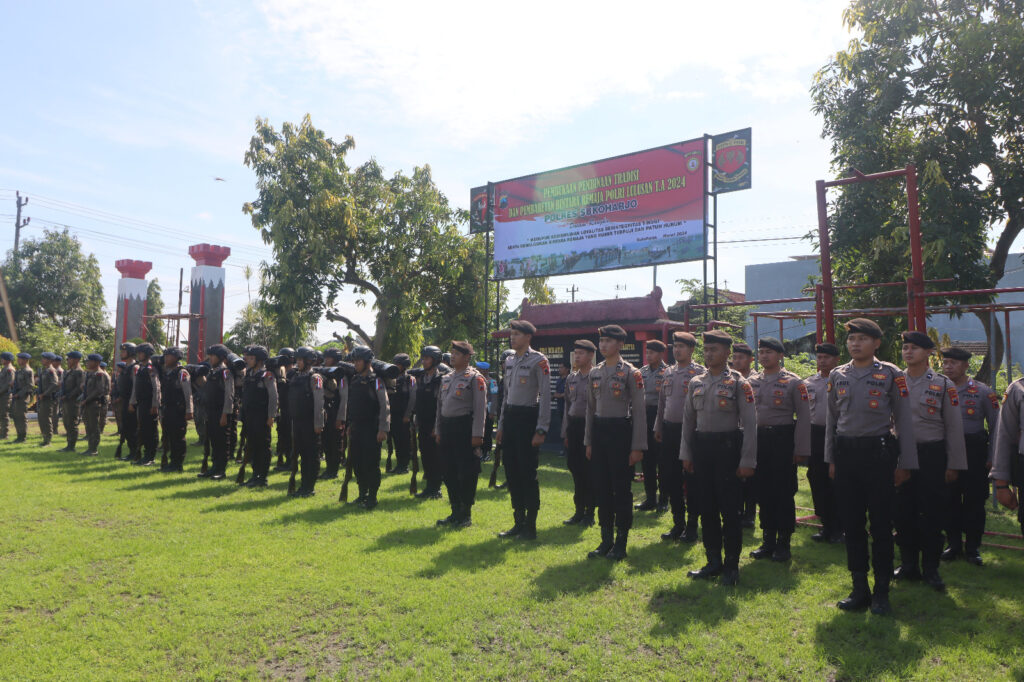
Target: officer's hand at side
<point>318,431</point>
<point>590,452</point>
<point>657,436</point>
<point>744,472</point>
<point>339,426</point>
<point>831,470</point>
<point>1006,496</point>
<point>154,410</point>
<point>405,420</point>
<point>688,467</point>
<point>799,460</point>
<point>900,476</point>
<point>131,408</point>
<point>635,456</point>
<point>224,420</point>
<point>951,475</point>
<point>565,442</point>
<point>270,422</point>
<point>382,436</point>
<point>437,438</point>
<point>497,437</point>
<point>537,440</point>
<point>188,416</point>
<point>477,442</point>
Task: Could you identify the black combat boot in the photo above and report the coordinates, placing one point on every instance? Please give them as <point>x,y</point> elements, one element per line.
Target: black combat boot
<point>588,518</point>
<point>519,517</point>
<point>860,597</point>
<point>731,571</point>
<point>674,533</point>
<point>880,599</point>
<point>465,519</point>
<point>607,540</point>
<point>529,526</point>
<point>782,551</point>
<point>712,568</point>
<point>618,550</point>
<point>574,519</point>
<point>767,548</point>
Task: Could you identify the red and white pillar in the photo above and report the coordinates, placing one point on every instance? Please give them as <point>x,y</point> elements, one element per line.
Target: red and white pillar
<point>207,299</point>
<point>131,300</point>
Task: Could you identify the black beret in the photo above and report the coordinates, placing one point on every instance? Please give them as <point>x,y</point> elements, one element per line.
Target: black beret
<point>522,326</point>
<point>612,331</point>
<point>95,357</point>
<point>771,343</point>
<point>743,348</point>
<point>861,325</point>
<point>463,347</point>
<point>956,354</point>
<point>717,336</point>
<point>656,345</point>
<point>103,365</point>
<point>7,355</point>
<point>25,356</point>
<point>57,357</point>
<point>402,360</point>
<point>584,344</point>
<point>122,364</point>
<point>827,348</point>
<point>46,355</point>
<point>919,339</point>
<point>685,337</point>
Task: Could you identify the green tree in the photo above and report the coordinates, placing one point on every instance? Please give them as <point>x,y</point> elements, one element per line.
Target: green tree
<point>155,306</point>
<point>693,291</point>
<point>936,83</point>
<point>257,325</point>
<point>51,280</point>
<point>47,335</point>
<point>394,241</point>
<point>537,290</point>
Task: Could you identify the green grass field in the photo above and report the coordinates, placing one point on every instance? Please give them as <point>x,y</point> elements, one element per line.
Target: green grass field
<point>112,572</point>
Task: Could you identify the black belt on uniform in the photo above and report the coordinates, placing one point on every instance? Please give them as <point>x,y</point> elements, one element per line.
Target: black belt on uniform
<point>578,419</point>
<point>611,420</point>
<point>452,420</point>
<point>865,442</point>
<point>775,427</point>
<point>669,423</point>
<point>979,436</point>
<point>521,408</point>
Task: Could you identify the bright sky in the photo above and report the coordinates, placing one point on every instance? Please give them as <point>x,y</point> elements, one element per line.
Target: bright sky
<point>117,117</point>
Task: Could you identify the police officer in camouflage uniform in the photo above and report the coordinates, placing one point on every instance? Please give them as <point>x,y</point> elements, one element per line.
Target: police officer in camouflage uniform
<point>523,426</point>
<point>459,431</point>
<point>94,396</point>
<point>21,393</point>
<point>6,384</point>
<point>668,431</point>
<point>306,409</point>
<point>402,399</point>
<point>369,419</point>
<point>259,400</point>
<point>783,441</point>
<point>46,400</point>
<point>574,431</point>
<point>719,448</point>
<point>654,375</point>
<point>615,436</point>
<point>72,385</point>
<point>923,501</point>
<point>59,402</point>
<point>978,404</point>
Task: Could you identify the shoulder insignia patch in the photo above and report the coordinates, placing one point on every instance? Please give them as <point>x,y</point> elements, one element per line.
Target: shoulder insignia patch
<point>901,385</point>
<point>480,382</point>
<point>544,366</point>
<point>803,391</point>
<point>226,374</point>
<point>639,378</point>
<point>318,381</point>
<point>954,399</point>
<point>828,386</point>
<point>994,400</point>
<point>748,392</point>
<point>184,375</point>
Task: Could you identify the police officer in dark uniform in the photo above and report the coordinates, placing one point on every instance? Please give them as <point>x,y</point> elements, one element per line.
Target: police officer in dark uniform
<point>719,448</point>
<point>369,420</point>
<point>72,385</point>
<point>175,409</point>
<point>574,430</point>
<point>865,398</point>
<point>923,501</point>
<point>21,393</point>
<point>58,403</point>
<point>678,487</point>
<point>306,409</point>
<point>402,398</point>
<point>822,491</point>
<point>459,429</point>
<point>428,387</point>
<point>783,441</point>
<point>978,404</point>
<point>523,427</point>
<point>331,436</point>
<point>654,375</point>
<point>145,404</point>
<point>259,400</point>
<point>284,424</point>
<point>615,436</point>
<point>6,386</point>
<point>220,405</point>
<point>94,413</point>
<point>123,402</point>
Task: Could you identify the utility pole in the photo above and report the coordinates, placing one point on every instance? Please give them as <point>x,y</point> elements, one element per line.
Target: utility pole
<point>573,291</point>
<point>177,329</point>
<point>18,223</point>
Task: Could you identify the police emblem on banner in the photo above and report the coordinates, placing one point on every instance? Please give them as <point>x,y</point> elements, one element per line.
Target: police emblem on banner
<point>730,158</point>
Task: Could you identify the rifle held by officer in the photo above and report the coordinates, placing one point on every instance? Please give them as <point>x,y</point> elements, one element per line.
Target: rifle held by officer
<point>414,448</point>
<point>295,469</point>
<point>343,497</point>
<point>497,465</point>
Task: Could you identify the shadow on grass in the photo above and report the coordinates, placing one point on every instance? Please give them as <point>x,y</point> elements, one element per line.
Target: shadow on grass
<point>693,601</point>
<point>262,499</point>
<point>200,491</point>
<point>576,578</point>
<point>164,481</point>
<point>407,537</point>
<point>665,555</point>
<point>478,557</point>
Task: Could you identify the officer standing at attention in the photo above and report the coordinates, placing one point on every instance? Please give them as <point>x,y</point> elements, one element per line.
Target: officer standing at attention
<point>6,384</point>
<point>58,402</point>
<point>742,361</point>
<point>284,424</point>
<point>428,386</point>
<point>782,443</point>
<point>331,436</point>
<point>523,426</point>
<point>259,400</point>
<point>865,398</point>
<point>220,405</point>
<point>654,374</point>
<point>176,409</point>
<point>145,404</point>
<point>668,430</point>
<point>369,419</point>
<point>923,501</point>
<point>94,395</point>
<point>125,386</point>
<point>822,491</point>
<point>402,399</point>
<point>72,385</point>
<point>21,394</point>
<point>574,430</point>
<point>719,448</point>
<point>46,401</point>
<point>1008,458</point>
<point>978,404</point>
<point>459,429</point>
<point>306,408</point>
<point>615,436</point>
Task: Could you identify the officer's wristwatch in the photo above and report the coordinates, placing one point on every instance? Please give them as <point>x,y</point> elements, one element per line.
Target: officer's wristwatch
<point>542,432</point>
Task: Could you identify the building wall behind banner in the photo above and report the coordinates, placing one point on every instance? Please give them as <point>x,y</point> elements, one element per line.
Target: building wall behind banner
<point>634,210</point>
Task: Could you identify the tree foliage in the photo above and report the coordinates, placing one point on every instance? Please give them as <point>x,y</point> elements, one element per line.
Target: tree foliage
<point>936,83</point>
<point>257,325</point>
<point>537,290</point>
<point>693,291</point>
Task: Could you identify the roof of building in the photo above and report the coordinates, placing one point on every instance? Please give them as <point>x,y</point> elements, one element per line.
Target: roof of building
<point>618,310</point>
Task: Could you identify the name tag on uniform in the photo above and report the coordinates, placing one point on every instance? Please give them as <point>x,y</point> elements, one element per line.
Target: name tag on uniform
<point>522,380</point>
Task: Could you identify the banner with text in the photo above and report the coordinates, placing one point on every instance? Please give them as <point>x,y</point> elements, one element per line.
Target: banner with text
<point>633,210</point>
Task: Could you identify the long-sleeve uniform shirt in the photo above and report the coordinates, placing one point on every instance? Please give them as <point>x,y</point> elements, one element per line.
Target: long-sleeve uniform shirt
<point>72,384</point>
<point>817,398</point>
<point>979,404</point>
<point>6,378</point>
<point>1009,444</point>
<point>675,386</point>
<point>154,382</point>
<point>49,384</point>
<point>779,397</point>
<point>935,403</point>
<point>575,398</point>
<point>528,383</point>
<point>24,379</point>
<point>617,391</point>
<point>869,401</point>
<point>463,393</point>
<point>720,403</point>
<point>654,377</point>
<point>97,387</point>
